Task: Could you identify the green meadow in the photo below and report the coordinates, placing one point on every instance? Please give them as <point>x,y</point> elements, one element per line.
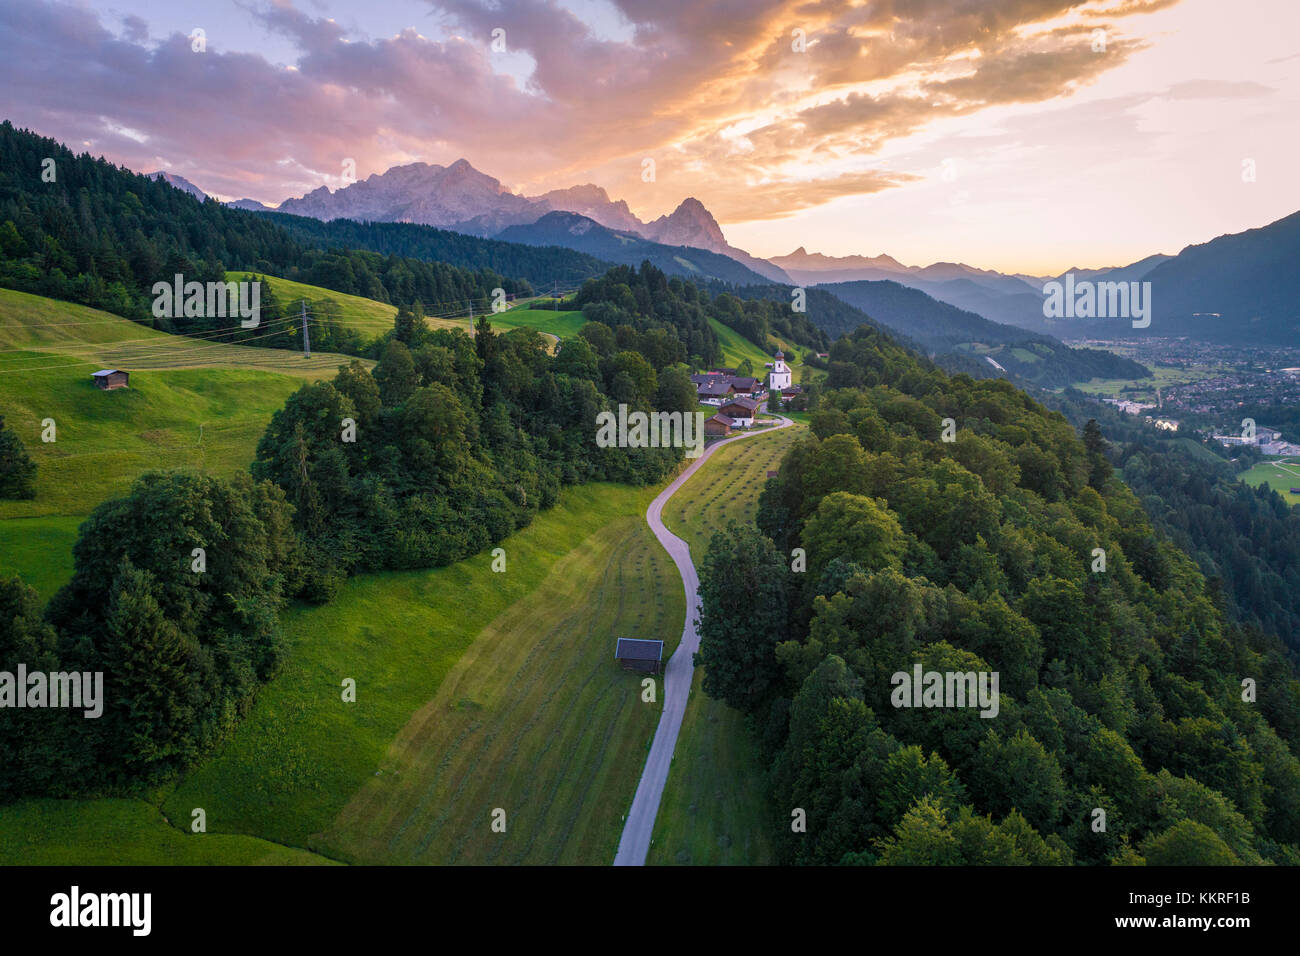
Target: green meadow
<point>561,324</point>
<point>736,348</point>
<point>1281,474</point>
<point>191,404</point>
<point>714,809</point>
<point>125,833</point>
<point>367,316</point>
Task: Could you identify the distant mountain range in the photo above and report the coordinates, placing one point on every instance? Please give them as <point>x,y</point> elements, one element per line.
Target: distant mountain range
<point>1242,287</point>
<point>463,199</point>
<point>574,231</point>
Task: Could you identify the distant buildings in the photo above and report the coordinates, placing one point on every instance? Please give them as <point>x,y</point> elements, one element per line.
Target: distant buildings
<point>1267,440</point>
<point>714,388</point>
<point>1127,407</point>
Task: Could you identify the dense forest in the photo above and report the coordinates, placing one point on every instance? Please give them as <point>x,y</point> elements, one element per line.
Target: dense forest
<point>1245,540</point>
<point>102,236</point>
<point>824,318</point>
<point>641,302</point>
<point>943,524</point>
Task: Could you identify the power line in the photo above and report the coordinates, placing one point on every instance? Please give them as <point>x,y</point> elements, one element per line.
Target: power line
<point>179,354</point>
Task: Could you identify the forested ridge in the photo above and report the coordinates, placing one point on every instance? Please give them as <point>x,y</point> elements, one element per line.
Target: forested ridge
<point>101,235</point>
<point>1246,540</point>
<point>540,265</point>
<point>1136,723</point>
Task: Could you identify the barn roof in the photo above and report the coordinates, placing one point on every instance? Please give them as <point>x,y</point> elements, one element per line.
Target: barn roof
<point>636,649</point>
<point>746,403</point>
<point>105,371</point>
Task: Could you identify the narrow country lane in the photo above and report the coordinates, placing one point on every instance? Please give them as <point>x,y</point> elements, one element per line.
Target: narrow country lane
<point>634,845</point>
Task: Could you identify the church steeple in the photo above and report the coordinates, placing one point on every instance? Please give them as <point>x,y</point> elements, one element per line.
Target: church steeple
<point>780,377</point>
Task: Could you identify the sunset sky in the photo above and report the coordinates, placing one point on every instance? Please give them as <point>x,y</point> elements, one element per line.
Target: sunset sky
<point>984,131</point>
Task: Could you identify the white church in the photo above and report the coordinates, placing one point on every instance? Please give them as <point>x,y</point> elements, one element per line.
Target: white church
<point>779,378</point>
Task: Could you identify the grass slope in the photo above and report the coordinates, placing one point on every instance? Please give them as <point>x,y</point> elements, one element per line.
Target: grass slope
<point>191,404</point>
<point>124,833</point>
<point>713,809</point>
<point>535,719</point>
<point>367,316</point>
<point>37,333</point>
<point>736,348</point>
<point>300,757</point>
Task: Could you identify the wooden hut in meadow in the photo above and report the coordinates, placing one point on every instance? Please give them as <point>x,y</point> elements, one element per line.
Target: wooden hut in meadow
<point>110,378</point>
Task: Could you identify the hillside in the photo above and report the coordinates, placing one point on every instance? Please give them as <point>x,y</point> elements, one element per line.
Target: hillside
<point>944,329</point>
<point>191,404</point>
<point>1098,674</point>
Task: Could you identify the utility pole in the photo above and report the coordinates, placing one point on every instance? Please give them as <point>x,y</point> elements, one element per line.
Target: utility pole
<point>471,318</point>
<point>306,339</point>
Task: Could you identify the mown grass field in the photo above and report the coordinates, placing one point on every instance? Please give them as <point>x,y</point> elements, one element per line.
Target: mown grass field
<point>561,324</point>
<point>535,719</point>
<point>537,706</point>
<point>516,671</point>
<point>1281,475</point>
<point>714,806</point>
<point>37,333</point>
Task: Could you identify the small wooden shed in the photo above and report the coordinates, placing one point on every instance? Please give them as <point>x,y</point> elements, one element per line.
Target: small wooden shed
<point>643,656</point>
<point>109,378</point>
<point>717,425</point>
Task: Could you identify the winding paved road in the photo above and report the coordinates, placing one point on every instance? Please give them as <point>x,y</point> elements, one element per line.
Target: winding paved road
<point>635,842</point>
